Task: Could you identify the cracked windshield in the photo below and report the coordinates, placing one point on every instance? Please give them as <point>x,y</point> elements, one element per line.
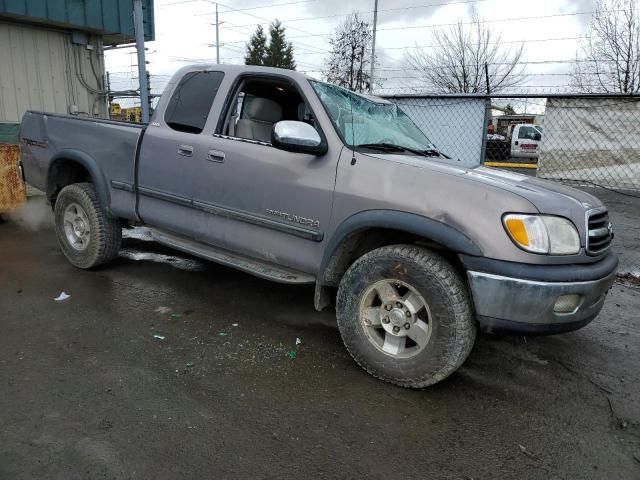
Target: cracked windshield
<point>362,122</point>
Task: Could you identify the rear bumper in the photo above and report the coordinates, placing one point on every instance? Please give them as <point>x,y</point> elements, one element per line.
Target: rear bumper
<point>524,306</point>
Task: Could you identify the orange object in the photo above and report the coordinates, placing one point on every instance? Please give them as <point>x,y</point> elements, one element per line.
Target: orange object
<point>518,231</point>
<point>13,191</point>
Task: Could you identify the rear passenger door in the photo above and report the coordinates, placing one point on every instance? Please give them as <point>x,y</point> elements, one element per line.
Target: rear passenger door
<point>171,149</point>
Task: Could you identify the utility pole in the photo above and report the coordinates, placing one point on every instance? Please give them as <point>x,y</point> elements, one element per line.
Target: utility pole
<point>486,77</point>
<point>108,97</point>
<point>143,84</point>
<point>217,36</point>
<point>373,44</point>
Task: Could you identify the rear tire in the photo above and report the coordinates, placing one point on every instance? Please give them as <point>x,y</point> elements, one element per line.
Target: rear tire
<point>405,315</point>
<point>87,235</point>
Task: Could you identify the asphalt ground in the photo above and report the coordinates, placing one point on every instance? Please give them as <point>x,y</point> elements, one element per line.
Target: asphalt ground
<point>163,366</point>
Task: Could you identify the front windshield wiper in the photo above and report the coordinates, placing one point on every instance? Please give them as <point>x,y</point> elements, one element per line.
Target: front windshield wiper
<point>391,147</point>
<point>432,152</point>
<point>385,147</point>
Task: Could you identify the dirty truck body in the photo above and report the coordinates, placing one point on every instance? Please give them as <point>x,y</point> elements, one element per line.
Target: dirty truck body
<point>298,181</point>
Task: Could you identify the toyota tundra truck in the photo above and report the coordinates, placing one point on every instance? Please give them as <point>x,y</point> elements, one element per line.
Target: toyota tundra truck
<point>302,182</point>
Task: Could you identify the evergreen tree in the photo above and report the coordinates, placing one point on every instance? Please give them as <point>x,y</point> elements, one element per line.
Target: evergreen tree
<point>509,110</point>
<point>279,53</point>
<point>256,48</point>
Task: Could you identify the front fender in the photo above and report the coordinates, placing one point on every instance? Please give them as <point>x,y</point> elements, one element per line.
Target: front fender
<point>427,228</point>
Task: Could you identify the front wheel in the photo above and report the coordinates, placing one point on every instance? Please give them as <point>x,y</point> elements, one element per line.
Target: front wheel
<point>405,315</point>
<point>87,235</point>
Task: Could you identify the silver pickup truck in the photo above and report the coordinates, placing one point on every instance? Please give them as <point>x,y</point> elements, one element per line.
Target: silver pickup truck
<point>303,182</point>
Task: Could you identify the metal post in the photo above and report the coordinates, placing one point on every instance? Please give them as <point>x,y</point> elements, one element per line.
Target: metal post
<point>486,77</point>
<point>373,44</point>
<point>107,92</point>
<point>142,64</point>
<point>217,36</point>
<point>149,92</point>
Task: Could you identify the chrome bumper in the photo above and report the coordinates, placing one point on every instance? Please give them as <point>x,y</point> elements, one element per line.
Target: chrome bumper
<point>527,306</point>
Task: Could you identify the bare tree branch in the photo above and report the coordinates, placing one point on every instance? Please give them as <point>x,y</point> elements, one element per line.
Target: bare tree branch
<point>456,64</point>
<point>609,58</point>
<point>349,61</point>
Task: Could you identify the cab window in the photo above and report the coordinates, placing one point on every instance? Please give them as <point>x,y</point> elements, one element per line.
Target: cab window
<point>261,103</point>
<point>189,106</point>
<point>528,133</point>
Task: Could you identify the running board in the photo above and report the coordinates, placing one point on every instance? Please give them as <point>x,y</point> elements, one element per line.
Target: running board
<point>224,257</point>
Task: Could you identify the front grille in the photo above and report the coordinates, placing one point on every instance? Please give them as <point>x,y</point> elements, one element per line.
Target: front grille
<point>599,231</point>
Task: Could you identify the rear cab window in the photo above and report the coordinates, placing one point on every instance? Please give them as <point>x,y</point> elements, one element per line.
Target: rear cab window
<point>191,101</point>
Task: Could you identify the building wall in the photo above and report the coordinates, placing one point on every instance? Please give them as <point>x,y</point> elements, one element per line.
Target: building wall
<point>592,140</point>
<point>40,69</point>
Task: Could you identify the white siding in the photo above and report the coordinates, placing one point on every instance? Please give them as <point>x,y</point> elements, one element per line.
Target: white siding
<point>38,72</point>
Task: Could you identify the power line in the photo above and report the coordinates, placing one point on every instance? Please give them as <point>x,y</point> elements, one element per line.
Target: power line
<point>258,7</point>
<point>364,12</point>
<point>505,42</point>
<point>433,25</point>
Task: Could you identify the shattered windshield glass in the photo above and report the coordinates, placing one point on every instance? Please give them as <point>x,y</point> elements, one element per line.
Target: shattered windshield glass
<point>365,122</point>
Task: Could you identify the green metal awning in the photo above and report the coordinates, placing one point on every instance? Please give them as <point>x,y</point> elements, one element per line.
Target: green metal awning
<point>113,19</point>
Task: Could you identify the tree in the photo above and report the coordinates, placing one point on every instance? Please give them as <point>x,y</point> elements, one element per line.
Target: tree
<point>279,53</point>
<point>350,58</point>
<point>609,58</point>
<point>457,61</point>
<point>256,48</point>
<point>509,110</point>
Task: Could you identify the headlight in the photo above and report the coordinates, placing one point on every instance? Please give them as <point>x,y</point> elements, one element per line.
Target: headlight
<point>542,233</point>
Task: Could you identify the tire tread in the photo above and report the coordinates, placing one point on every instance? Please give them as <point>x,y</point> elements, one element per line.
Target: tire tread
<point>108,233</point>
<point>465,325</point>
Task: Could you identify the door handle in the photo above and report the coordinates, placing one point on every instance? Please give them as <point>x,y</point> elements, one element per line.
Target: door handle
<point>516,142</point>
<point>215,156</point>
<point>185,150</point>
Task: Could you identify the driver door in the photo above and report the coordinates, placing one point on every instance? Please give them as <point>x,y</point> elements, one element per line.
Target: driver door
<point>257,200</point>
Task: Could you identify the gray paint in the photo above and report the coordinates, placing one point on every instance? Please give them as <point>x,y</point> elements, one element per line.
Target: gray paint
<point>467,204</point>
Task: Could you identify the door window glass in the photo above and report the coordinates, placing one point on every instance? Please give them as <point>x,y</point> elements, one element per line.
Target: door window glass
<point>528,133</point>
<point>260,104</point>
<point>189,106</point>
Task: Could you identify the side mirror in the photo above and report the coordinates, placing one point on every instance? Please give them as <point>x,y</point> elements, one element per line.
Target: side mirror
<point>294,136</point>
<point>537,136</point>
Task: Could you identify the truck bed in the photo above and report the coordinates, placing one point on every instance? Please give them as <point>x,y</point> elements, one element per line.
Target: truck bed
<point>105,149</point>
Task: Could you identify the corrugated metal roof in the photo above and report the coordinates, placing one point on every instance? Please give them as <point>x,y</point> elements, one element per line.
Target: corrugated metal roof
<point>111,18</point>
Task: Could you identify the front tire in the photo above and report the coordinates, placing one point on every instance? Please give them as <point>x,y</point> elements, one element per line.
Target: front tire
<point>87,235</point>
<point>405,315</point>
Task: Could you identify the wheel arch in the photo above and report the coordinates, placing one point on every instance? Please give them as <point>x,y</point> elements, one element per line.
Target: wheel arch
<point>73,166</point>
<point>371,229</point>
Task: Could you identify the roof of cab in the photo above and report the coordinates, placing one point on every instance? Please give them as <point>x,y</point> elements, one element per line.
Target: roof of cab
<point>237,69</point>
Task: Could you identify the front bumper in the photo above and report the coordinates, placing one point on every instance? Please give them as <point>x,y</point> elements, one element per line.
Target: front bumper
<point>524,306</point>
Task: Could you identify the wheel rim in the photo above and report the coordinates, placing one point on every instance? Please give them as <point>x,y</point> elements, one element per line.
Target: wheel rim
<point>77,229</point>
<point>395,318</point>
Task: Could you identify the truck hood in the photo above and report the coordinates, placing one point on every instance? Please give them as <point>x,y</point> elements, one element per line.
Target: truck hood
<point>546,196</point>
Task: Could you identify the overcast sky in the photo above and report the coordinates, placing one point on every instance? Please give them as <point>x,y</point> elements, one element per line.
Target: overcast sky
<point>185,33</point>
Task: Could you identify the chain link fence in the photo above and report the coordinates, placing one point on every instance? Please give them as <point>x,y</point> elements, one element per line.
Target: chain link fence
<point>591,142</point>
